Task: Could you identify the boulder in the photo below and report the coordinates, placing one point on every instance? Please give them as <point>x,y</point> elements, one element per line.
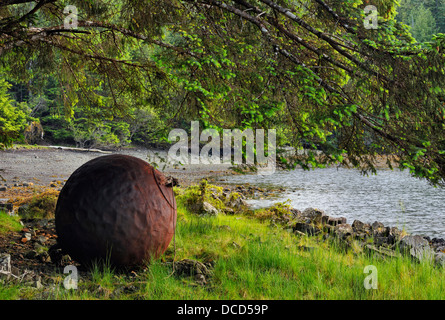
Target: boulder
<point>439,259</point>
<point>335,221</point>
<point>395,235</point>
<point>379,230</point>
<point>207,208</point>
<point>361,227</point>
<point>361,230</point>
<point>306,228</point>
<point>343,230</point>
<point>380,241</point>
<point>235,201</point>
<point>295,213</point>
<point>438,244</point>
<point>417,247</point>
<point>377,225</point>
<point>314,215</point>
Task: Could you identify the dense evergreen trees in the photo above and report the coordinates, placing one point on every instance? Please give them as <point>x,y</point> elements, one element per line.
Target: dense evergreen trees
<point>425,17</point>
<point>310,69</point>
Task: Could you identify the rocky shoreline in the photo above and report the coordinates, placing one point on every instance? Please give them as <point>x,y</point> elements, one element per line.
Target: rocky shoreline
<point>385,241</point>
<point>31,257</point>
<point>376,238</point>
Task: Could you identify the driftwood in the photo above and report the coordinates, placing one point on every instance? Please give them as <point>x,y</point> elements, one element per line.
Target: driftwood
<point>80,149</point>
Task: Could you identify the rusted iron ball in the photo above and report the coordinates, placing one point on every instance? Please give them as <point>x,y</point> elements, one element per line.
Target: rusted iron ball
<point>118,209</point>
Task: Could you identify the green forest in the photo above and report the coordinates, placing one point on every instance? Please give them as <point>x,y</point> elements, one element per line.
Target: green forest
<point>109,74</point>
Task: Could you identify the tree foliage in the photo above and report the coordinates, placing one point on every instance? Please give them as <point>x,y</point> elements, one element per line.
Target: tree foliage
<point>309,68</point>
<point>424,17</point>
<point>13,118</point>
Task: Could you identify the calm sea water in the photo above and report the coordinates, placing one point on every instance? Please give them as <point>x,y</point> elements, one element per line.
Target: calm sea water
<point>392,197</point>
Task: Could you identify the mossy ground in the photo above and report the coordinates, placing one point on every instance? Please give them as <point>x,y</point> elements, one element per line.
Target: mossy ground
<point>251,259</point>
<point>9,223</point>
<point>38,206</point>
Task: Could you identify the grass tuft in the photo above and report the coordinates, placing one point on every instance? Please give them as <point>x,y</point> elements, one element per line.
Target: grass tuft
<point>9,223</point>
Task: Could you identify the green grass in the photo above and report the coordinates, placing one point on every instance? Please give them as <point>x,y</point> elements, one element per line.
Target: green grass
<point>253,260</point>
<point>9,223</point>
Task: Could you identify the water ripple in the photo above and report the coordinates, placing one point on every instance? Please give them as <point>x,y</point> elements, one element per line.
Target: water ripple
<point>391,197</point>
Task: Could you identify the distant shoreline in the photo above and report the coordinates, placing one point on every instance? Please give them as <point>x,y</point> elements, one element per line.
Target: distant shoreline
<point>43,164</point>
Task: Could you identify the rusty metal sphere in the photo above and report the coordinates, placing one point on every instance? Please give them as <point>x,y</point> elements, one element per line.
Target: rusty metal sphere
<point>116,208</point>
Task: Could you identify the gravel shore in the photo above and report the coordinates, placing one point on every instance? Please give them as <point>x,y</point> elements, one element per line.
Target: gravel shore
<point>41,166</point>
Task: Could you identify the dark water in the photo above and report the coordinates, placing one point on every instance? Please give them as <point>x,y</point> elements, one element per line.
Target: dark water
<point>392,197</point>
